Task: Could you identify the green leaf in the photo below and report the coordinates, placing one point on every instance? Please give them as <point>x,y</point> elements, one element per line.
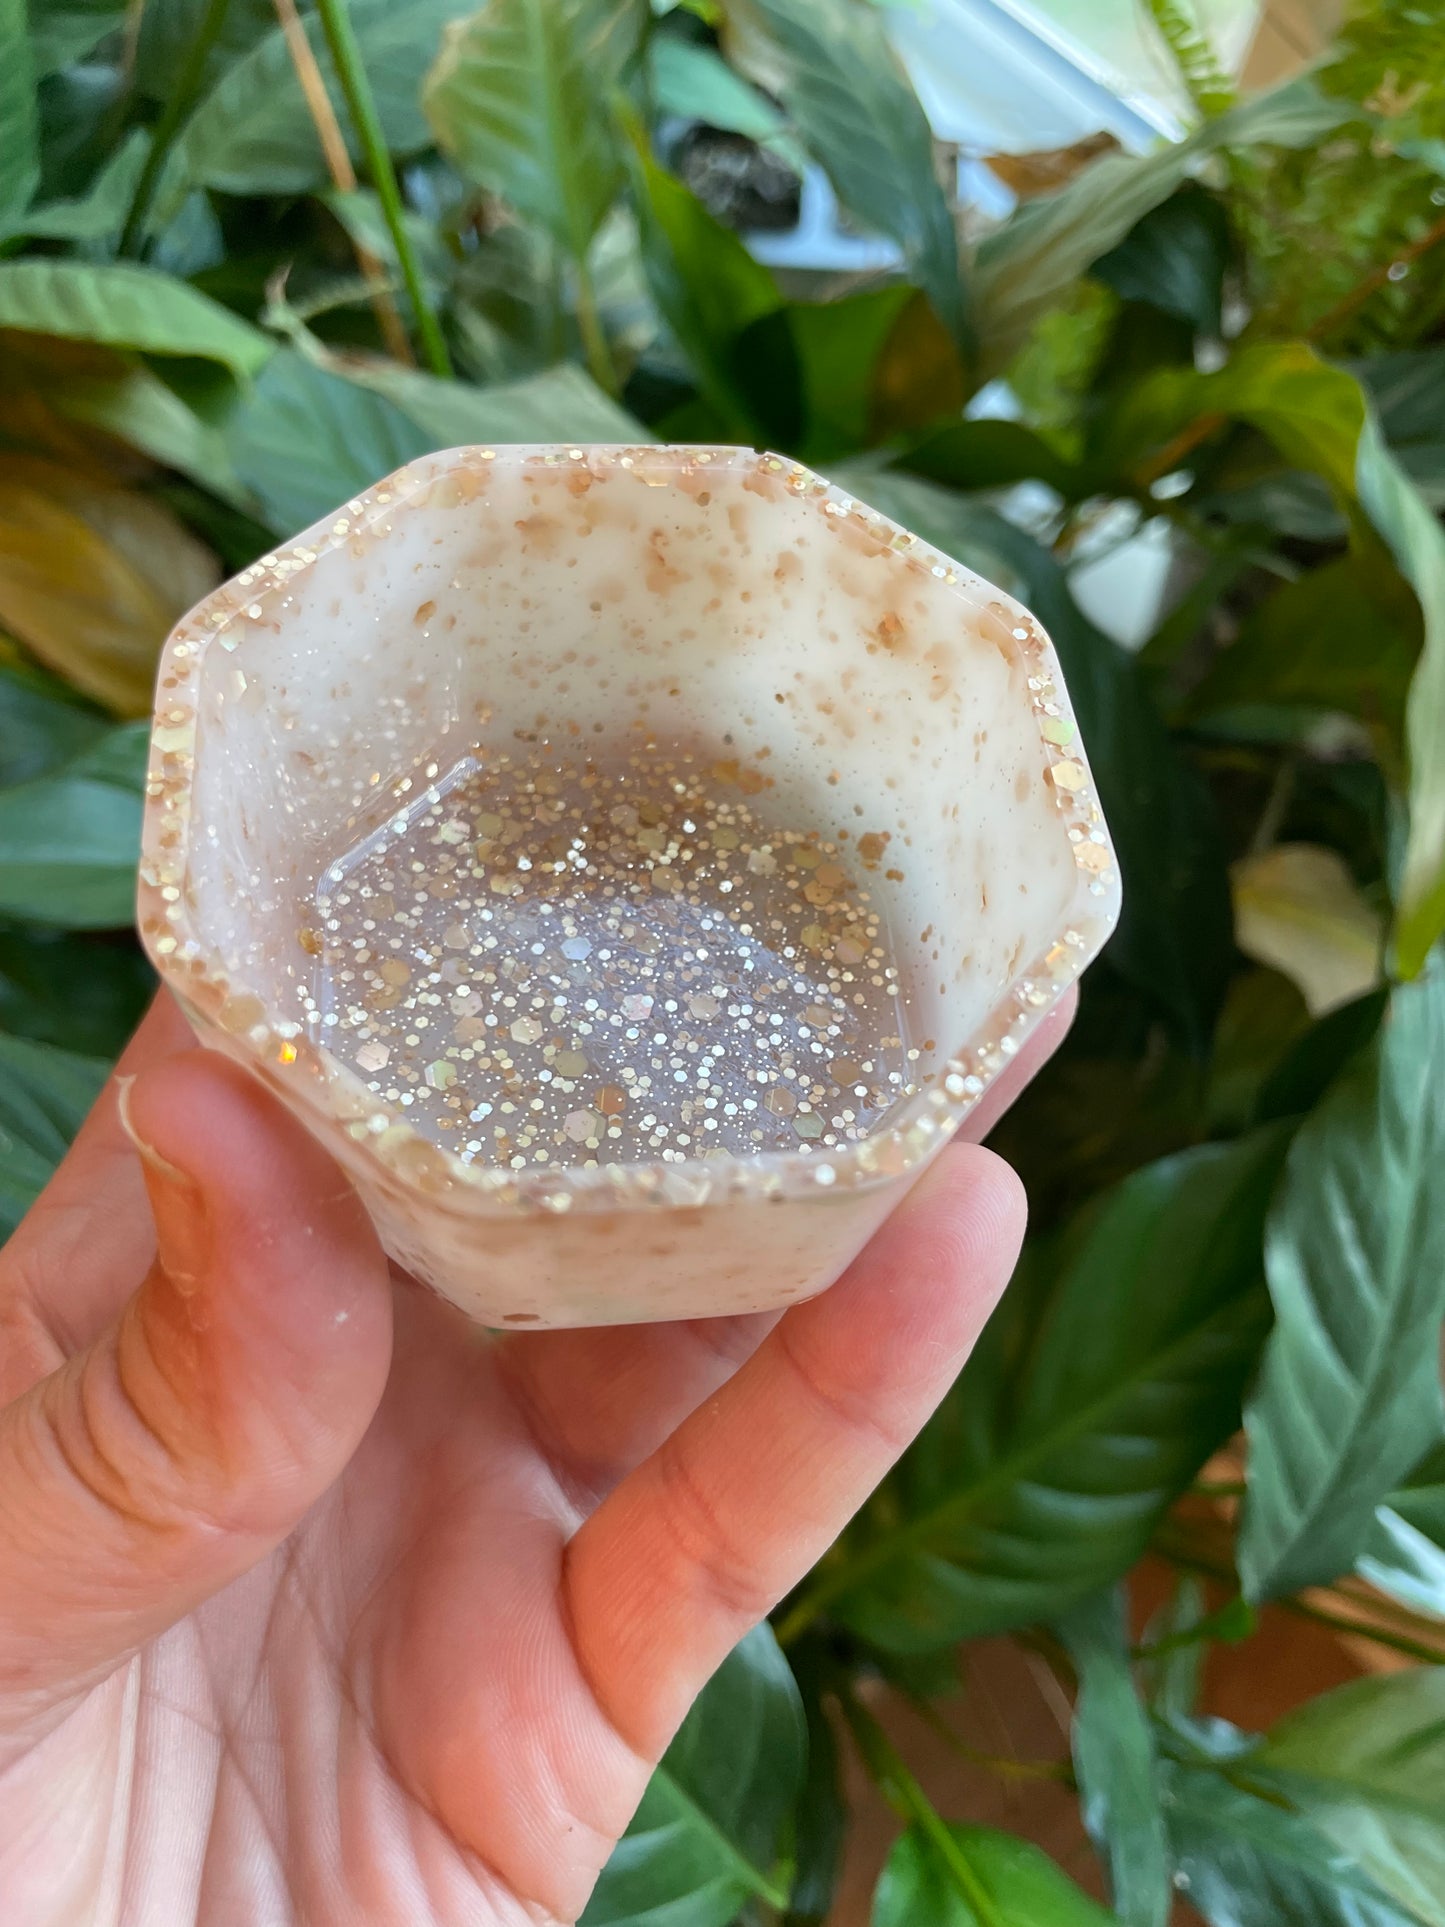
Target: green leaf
<point>1417,542</point>
<point>44,1096</point>
<point>126,307</point>
<point>820,1817</point>
<point>1408,393</point>
<point>1011,1884</point>
<point>707,1835</point>
<point>1174,939</point>
<point>991,454</point>
<point>696,83</point>
<point>1174,258</point>
<point>1349,1394</point>
<point>85,993</point>
<point>1404,1554</point>
<point>1344,636</point>
<point>42,724</point>
<point>1246,1861</point>
<point>854,107</point>
<point>1174,1666</point>
<point>99,213</point>
<point>1367,1764</point>
<point>1113,1748</point>
<point>64,30</point>
<point>1029,264</point>
<point>168,30</point>
<point>707,287</point>
<point>1316,1060</point>
<point>310,435</point>
<point>69,844</point>
<point>253,133</point>
<point>520,98</point>
<point>19,150</point>
<point>1114,1367</point>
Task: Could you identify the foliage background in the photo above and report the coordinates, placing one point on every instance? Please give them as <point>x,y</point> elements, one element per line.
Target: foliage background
<point>253,256</point>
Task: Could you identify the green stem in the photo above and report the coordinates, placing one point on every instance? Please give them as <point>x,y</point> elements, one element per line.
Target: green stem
<point>178,102</point>
<point>361,104</point>
<point>912,1804</point>
<point>594,340</point>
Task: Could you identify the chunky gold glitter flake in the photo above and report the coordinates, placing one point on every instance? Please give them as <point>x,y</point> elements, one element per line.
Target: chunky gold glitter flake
<point>546,961</point>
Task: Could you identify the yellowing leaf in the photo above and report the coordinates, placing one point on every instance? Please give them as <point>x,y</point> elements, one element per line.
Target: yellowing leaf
<point>1297,909</point>
<point>93,576</point>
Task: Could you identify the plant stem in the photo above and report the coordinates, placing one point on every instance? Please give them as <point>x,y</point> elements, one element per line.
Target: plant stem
<point>178,101</point>
<point>336,24</point>
<point>912,1804</point>
<point>343,174</point>
<point>594,340</point>
<point>1057,1771</point>
<point>1361,292</point>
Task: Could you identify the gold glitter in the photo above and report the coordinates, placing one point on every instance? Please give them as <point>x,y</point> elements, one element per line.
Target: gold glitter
<point>1069,775</point>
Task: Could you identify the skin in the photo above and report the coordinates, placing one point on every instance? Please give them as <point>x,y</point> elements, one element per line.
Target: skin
<point>316,1603</point>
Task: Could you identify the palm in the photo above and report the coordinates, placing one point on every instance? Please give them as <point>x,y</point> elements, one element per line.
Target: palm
<point>439,1695</point>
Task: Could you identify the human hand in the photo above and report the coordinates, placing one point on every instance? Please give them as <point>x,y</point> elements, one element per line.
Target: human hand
<point>318,1604</point>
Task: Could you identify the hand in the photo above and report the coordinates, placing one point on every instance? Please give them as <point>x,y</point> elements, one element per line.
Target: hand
<point>318,1604</point>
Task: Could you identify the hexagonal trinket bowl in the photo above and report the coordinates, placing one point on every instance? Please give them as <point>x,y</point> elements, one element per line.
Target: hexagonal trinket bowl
<point>632,864</point>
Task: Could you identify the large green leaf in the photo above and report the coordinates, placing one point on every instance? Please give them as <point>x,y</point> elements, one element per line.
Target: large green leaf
<point>1174,258</point>
<point>1405,1551</point>
<point>1408,392</point>
<point>99,213</point>
<point>126,307</point>
<point>1174,939</point>
<point>1112,1370</point>
<point>977,1877</point>
<point>309,436</point>
<point>69,840</point>
<point>44,1096</point>
<point>1349,1394</point>
<point>1248,1861</point>
<point>519,97</point>
<point>1114,1760</point>
<point>855,109</point>
<point>19,148</point>
<point>1367,1764</point>
<point>707,1836</point>
<point>1029,264</point>
<point>252,133</point>
<point>64,30</point>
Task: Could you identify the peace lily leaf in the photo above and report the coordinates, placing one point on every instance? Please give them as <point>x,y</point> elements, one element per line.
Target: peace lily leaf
<point>1030,263</point>
<point>1298,909</point>
<point>562,404</point>
<point>1405,1552</point>
<point>850,100</point>
<point>69,841</point>
<point>1175,258</point>
<point>93,577</point>
<point>42,724</point>
<point>44,1096</point>
<point>19,150</point>
<point>1315,1060</point>
<point>976,1877</point>
<point>696,83</point>
<point>1114,1759</point>
<point>64,30</point>
<point>98,214</point>
<point>1247,1861</point>
<point>1349,1394</point>
<point>253,133</point>
<point>1408,393</point>
<point>820,1816</point>
<point>1367,1764</point>
<point>126,307</point>
<point>1041,1478</point>
<point>706,1838</point>
<point>519,97</point>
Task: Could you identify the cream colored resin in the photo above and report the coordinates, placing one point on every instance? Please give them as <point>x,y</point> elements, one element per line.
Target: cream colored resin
<point>487,602</point>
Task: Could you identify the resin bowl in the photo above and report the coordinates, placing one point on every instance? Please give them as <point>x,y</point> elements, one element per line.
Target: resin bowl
<point>484,600</point>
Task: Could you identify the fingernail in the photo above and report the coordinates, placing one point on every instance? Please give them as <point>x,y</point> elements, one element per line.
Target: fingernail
<point>178,1205</point>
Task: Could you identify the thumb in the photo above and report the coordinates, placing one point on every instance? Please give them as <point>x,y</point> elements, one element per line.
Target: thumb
<point>189,1439</point>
